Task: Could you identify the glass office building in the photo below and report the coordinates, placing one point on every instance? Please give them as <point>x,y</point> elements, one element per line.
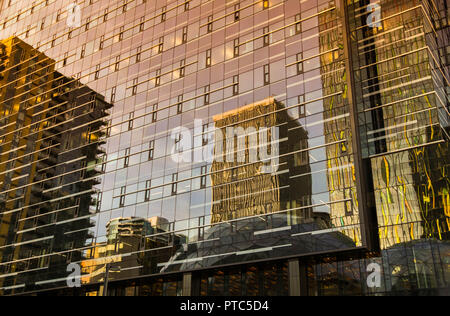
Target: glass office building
<point>224,147</point>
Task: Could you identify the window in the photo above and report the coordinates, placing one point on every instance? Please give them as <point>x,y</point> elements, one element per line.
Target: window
<point>236,47</point>
<point>126,160</point>
<point>86,27</point>
<point>158,78</point>
<point>113,94</point>
<point>178,142</point>
<point>299,63</point>
<point>122,28</point>
<point>142,24</point>
<point>234,174</point>
<point>105,15</point>
<point>298,25</point>
<point>182,68</point>
<point>161,45</point>
<point>301,106</point>
<point>180,104</point>
<point>151,150</point>
<point>184,38</point>
<point>187,5</point>
<point>104,160</point>
<point>237,12</point>
<point>210,24</point>
<point>205,129</point>
<point>130,121</point>
<point>174,183</point>
<point>135,86</point>
<point>208,58</point>
<point>206,96</point>
<point>138,54</point>
<point>117,64</point>
<point>266,74</point>
<point>235,85</point>
<point>102,42</point>
<point>148,185</point>
<point>265,4</point>
<point>204,170</point>
<point>163,13</point>
<point>155,113</point>
<point>97,72</point>
<point>266,37</point>
<point>123,192</point>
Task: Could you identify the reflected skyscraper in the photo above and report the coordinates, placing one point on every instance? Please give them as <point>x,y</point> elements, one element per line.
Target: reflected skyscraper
<point>50,148</point>
<point>260,183</point>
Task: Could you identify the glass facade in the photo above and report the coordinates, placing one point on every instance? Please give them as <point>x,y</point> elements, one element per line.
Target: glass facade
<point>215,147</point>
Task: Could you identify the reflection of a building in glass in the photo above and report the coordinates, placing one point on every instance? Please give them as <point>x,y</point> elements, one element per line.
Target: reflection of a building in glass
<point>261,215</point>
<point>50,133</point>
<point>240,189</point>
<point>406,131</point>
<point>134,246</point>
<point>337,131</point>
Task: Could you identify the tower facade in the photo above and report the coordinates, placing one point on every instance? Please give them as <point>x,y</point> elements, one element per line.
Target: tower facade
<point>224,147</point>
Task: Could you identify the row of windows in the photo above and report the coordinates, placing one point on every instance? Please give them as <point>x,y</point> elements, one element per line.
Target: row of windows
<point>160,45</point>
<point>122,8</point>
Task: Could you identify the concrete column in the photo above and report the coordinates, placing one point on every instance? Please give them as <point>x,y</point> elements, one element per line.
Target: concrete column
<point>187,284</point>
<point>294,277</point>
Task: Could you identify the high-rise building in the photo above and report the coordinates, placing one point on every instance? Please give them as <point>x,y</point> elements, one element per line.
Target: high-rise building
<point>250,147</point>
<point>51,140</point>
